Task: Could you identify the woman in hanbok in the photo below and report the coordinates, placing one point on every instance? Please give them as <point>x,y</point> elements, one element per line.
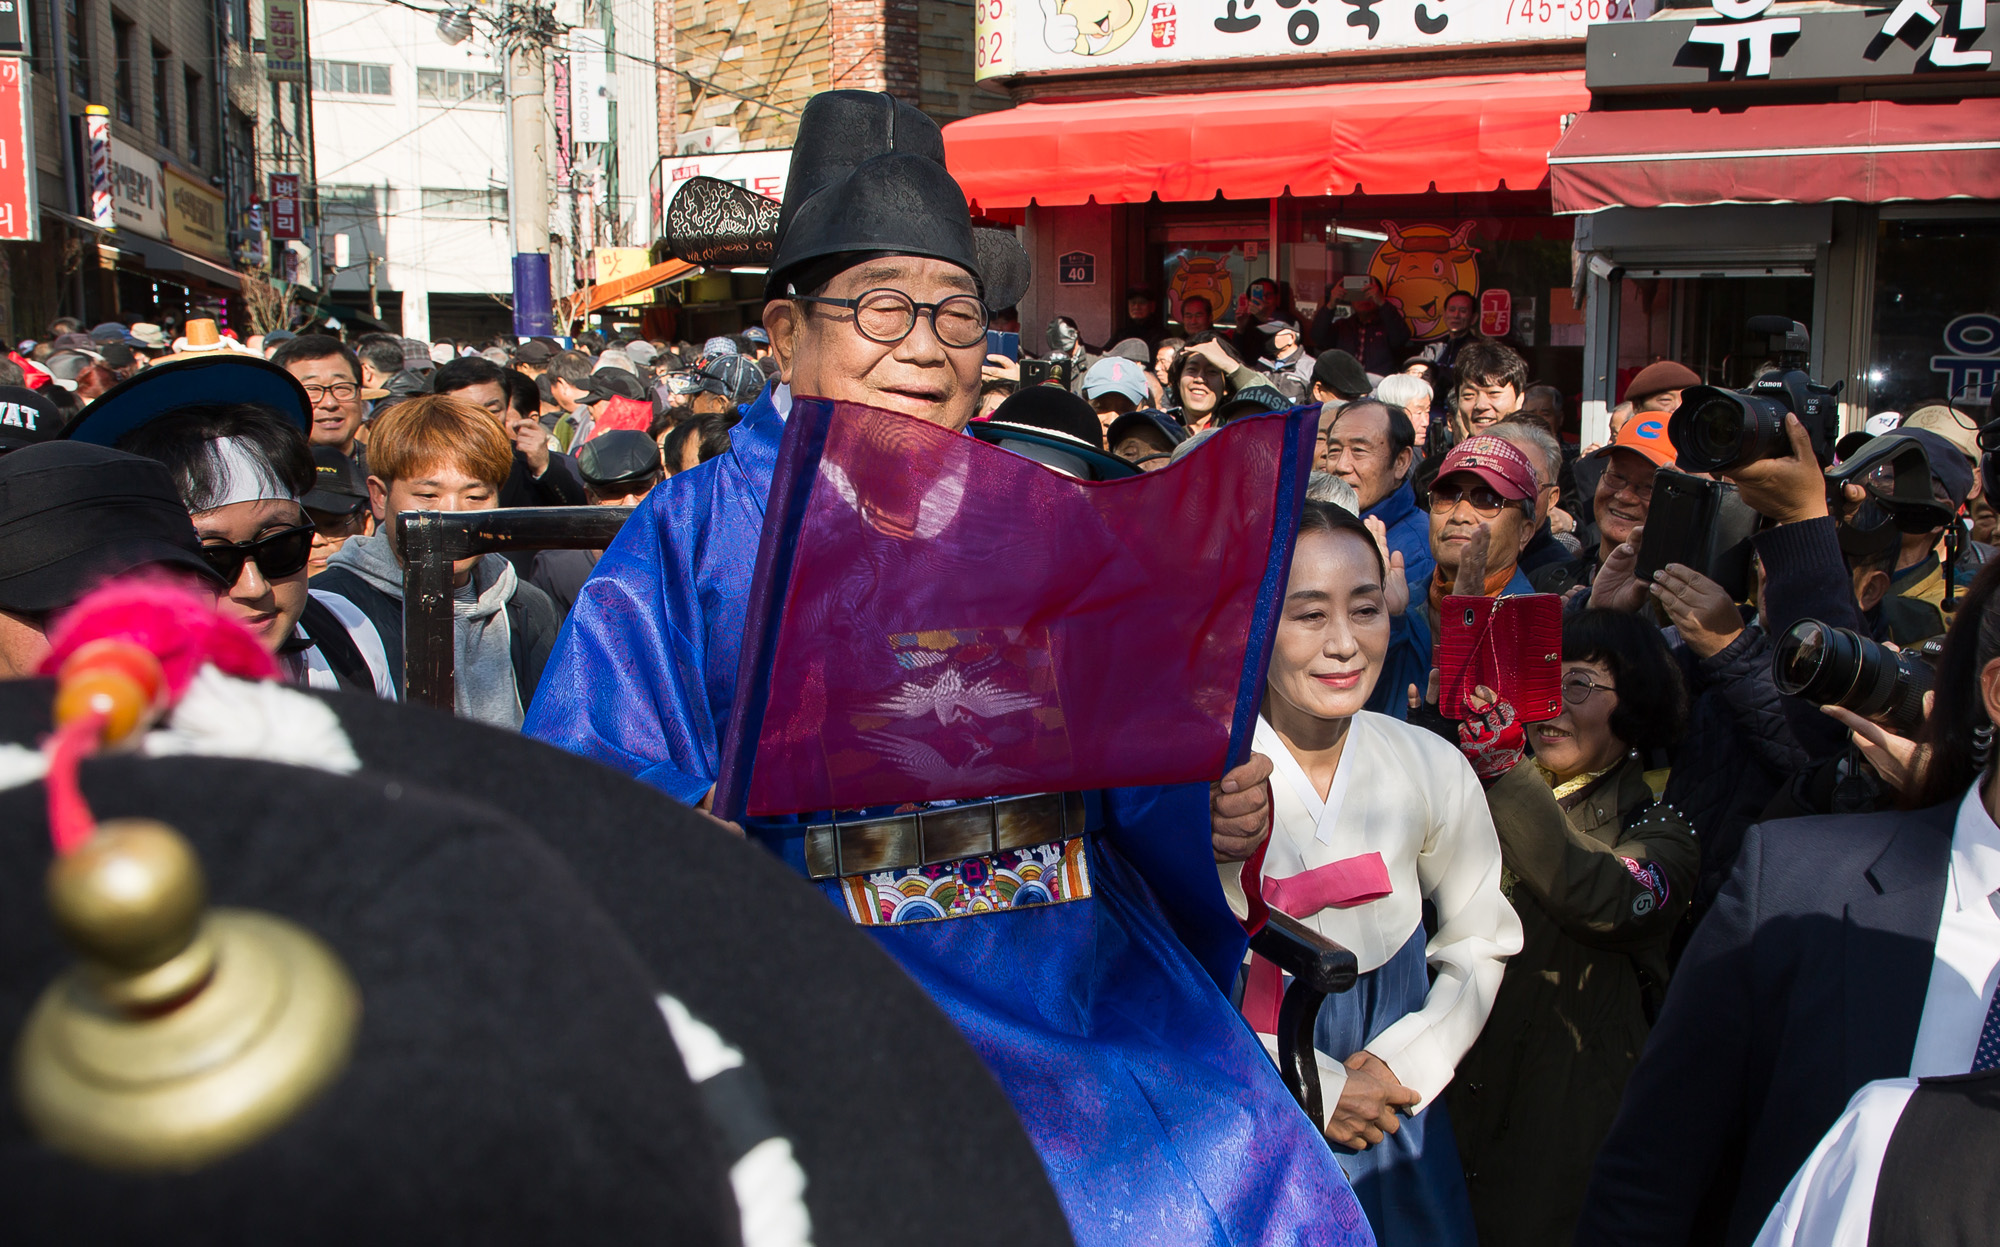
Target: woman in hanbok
<point>1373,820</point>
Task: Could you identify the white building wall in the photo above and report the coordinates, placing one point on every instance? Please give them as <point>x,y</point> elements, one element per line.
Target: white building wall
<point>404,145</point>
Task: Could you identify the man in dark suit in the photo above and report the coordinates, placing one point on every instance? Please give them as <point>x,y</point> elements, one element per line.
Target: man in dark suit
<point>1806,980</point>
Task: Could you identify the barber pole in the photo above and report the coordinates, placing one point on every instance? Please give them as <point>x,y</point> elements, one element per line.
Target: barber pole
<point>97,138</point>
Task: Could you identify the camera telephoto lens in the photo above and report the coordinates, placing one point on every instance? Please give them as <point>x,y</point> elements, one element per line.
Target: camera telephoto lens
<point>1831,666</point>
<point>1717,429</point>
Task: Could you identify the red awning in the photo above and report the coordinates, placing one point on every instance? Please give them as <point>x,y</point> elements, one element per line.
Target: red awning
<point>1871,151</point>
<point>1378,138</point>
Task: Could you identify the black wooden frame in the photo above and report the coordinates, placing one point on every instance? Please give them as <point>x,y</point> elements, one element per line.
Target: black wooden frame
<point>431,541</point>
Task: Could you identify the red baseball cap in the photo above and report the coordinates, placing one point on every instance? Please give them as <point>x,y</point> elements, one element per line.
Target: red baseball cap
<point>1494,460</point>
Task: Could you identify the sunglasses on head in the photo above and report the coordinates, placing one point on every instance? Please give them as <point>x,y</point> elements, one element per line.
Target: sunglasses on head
<point>281,554</point>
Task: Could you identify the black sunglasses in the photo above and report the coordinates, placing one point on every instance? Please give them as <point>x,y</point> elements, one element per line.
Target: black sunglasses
<point>283,553</point>
<point>1484,498</point>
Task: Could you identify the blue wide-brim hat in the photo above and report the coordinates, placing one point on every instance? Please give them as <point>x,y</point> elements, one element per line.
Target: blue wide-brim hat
<point>152,392</point>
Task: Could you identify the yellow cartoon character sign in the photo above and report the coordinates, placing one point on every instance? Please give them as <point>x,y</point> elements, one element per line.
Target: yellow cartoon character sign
<point>1420,266</point>
<point>1090,27</point>
<point>1204,275</point>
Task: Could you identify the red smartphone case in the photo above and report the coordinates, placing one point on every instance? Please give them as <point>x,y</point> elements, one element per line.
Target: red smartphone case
<point>1512,645</point>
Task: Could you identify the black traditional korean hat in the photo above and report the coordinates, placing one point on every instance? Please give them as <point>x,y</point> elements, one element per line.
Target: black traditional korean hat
<point>389,988</point>
<point>867,177</point>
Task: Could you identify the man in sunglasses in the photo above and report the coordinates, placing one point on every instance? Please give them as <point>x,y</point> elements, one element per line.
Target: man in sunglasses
<point>72,516</point>
<point>1485,485</point>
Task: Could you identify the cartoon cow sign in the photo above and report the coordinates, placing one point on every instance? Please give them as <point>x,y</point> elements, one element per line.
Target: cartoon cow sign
<point>1420,266</point>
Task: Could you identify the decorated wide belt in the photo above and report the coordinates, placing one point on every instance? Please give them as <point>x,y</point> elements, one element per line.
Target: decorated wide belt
<point>981,857</point>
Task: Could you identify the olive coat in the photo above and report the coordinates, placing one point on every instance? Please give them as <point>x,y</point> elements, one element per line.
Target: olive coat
<point>1600,879</point>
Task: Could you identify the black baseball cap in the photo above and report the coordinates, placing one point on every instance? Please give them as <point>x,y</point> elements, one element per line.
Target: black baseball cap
<point>339,488</point>
<point>1251,400</point>
<point>534,352</point>
<point>1341,373</point>
<point>74,514</point>
<point>608,383</point>
<point>26,418</point>
<point>618,457</point>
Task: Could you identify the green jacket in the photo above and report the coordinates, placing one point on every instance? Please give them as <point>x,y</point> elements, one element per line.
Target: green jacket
<point>1600,880</point>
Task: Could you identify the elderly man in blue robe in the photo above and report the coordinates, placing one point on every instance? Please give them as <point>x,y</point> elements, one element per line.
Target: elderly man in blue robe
<point>1157,1114</point>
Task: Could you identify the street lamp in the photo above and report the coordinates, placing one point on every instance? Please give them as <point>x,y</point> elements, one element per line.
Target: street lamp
<point>454,26</point>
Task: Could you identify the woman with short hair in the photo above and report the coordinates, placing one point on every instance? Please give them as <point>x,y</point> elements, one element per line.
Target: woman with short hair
<point>1600,873</point>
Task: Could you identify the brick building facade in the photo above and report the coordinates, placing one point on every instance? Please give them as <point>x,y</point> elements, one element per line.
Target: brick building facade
<point>779,54</point>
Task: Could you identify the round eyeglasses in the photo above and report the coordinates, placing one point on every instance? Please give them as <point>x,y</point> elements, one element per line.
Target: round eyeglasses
<point>1579,685</point>
<point>887,316</point>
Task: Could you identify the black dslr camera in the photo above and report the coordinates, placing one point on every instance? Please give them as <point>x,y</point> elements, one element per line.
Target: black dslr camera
<point>1716,429</point>
<point>1831,666</point>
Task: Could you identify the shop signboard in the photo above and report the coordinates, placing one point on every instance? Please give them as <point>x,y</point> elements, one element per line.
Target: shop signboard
<point>1042,36</point>
<point>137,198</point>
<point>197,220</point>
<point>1970,365</point>
<point>285,206</point>
<point>13,25</point>
<point>611,263</point>
<point>589,87</point>
<point>20,221</point>
<point>285,40</point>
<point>1745,41</point>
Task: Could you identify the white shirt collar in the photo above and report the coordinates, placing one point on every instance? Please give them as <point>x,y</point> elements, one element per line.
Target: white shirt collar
<point>1975,851</point>
<point>781,400</point>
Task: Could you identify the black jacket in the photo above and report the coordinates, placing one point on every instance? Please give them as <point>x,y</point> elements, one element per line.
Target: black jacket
<point>1805,981</point>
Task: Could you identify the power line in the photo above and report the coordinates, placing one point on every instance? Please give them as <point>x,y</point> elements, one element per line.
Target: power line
<point>696,79</point>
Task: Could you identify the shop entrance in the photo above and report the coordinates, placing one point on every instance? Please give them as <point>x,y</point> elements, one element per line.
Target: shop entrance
<point>1698,318</point>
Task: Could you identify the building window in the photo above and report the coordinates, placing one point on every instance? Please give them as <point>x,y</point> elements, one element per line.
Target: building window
<point>76,44</point>
<point>191,83</point>
<point>163,78</point>
<point>121,68</point>
<point>458,86</point>
<point>350,78</point>
<point>236,14</point>
<point>470,205</point>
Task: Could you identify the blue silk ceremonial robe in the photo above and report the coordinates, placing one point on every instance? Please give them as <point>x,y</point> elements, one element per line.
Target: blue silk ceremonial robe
<point>1156,1112</point>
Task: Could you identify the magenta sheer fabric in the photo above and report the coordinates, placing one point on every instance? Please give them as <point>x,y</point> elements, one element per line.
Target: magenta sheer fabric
<point>958,621</point>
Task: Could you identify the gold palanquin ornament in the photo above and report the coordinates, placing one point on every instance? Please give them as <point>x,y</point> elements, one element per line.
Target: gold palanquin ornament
<point>183,1034</point>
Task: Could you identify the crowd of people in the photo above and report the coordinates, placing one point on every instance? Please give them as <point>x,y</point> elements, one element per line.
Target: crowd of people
<point>1623,958</point>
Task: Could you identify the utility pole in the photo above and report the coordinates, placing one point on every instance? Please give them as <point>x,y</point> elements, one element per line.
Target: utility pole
<point>667,83</point>
<point>527,30</point>
<point>374,298</point>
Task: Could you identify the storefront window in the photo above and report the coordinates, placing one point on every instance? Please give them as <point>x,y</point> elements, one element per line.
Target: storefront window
<point>1701,320</point>
<point>1937,314</point>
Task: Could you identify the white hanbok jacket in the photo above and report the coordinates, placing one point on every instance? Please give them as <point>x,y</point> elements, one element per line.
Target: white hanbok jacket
<point>1404,821</point>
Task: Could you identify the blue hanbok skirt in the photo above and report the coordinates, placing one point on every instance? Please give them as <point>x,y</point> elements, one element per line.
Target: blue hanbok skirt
<point>1155,1110</point>
<point>1410,1184</point>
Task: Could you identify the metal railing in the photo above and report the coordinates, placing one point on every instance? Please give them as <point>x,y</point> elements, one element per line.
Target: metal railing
<point>431,541</point>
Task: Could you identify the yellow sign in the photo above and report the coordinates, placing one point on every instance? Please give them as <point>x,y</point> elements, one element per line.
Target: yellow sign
<point>197,218</point>
<point>616,262</point>
<point>284,40</point>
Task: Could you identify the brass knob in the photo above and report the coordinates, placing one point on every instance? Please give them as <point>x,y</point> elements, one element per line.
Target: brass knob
<point>183,1035</point>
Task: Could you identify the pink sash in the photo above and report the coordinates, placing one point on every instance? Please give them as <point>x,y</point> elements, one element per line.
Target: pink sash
<point>1337,885</point>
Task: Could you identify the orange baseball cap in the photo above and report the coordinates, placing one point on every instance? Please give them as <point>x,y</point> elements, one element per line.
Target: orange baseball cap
<point>1645,433</point>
